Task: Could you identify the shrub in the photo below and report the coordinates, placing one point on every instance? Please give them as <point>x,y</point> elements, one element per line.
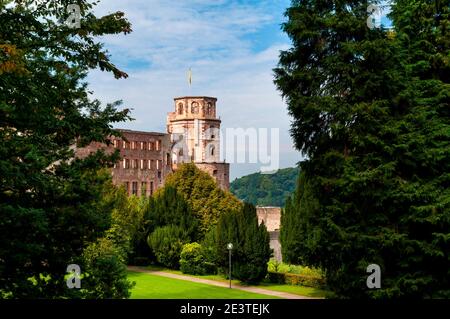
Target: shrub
<point>296,279</point>
<point>166,243</point>
<point>192,259</point>
<point>105,273</point>
<point>275,266</point>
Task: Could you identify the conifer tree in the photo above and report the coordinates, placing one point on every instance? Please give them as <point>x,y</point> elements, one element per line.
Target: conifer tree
<point>370,110</point>
<point>251,250</point>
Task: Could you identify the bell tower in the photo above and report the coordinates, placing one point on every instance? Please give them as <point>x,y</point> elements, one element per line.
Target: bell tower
<point>195,134</point>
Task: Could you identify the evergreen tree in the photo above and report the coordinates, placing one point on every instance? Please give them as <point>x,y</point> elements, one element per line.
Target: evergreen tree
<point>371,112</point>
<point>168,207</point>
<point>251,250</point>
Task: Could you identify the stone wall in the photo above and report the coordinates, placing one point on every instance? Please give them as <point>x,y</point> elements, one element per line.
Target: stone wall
<point>271,217</point>
<point>219,171</point>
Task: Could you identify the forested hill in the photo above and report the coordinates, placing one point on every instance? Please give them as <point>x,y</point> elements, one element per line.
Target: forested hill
<point>266,189</point>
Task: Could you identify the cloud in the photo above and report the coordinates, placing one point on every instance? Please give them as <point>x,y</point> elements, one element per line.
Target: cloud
<point>217,39</point>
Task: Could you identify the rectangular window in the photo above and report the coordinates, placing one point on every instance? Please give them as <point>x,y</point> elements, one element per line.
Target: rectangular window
<point>134,188</point>
<point>127,187</point>
<point>144,188</point>
<point>142,164</point>
<point>158,145</point>
<point>151,188</point>
<point>168,159</point>
<point>152,164</point>
<point>158,165</point>
<point>151,146</point>
<point>127,163</point>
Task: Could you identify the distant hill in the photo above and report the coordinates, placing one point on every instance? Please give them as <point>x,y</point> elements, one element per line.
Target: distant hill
<point>266,189</point>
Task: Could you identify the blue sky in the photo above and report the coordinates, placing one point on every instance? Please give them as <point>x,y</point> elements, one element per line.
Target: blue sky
<point>231,46</point>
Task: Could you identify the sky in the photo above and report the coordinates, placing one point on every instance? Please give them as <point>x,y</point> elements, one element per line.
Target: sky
<point>231,47</point>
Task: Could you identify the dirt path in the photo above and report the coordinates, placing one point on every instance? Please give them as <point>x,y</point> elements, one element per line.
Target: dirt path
<point>280,294</point>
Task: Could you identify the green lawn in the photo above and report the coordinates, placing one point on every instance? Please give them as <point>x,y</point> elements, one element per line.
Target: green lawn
<point>296,290</point>
<point>150,286</point>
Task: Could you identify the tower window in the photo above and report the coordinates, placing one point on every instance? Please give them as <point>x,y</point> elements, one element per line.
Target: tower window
<point>180,108</point>
<point>194,108</point>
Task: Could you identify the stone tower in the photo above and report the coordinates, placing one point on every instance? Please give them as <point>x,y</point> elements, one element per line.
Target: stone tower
<point>195,134</point>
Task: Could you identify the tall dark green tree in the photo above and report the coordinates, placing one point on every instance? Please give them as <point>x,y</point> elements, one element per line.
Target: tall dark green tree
<point>370,110</point>
<point>251,250</point>
<point>50,204</point>
<point>168,207</point>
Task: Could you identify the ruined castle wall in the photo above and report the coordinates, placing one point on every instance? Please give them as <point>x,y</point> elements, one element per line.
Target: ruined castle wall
<point>219,171</point>
<point>271,217</point>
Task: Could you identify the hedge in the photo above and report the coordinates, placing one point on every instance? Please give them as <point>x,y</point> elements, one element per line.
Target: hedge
<point>296,279</point>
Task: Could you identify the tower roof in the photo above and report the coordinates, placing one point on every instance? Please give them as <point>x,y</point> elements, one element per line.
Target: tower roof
<point>195,97</point>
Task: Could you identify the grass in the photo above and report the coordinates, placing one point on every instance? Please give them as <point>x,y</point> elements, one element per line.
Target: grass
<point>150,286</point>
<point>296,290</point>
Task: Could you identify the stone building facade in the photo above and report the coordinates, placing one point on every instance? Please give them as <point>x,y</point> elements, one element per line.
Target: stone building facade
<point>148,157</point>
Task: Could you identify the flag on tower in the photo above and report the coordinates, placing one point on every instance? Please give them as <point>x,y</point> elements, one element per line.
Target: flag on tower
<point>190,77</point>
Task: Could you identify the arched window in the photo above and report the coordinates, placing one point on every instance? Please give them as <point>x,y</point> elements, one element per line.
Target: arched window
<point>209,108</point>
<point>180,108</point>
<point>194,108</point>
<point>212,151</point>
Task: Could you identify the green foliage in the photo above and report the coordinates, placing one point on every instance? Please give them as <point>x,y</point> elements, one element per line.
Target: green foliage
<point>50,204</point>
<point>169,207</point>
<point>205,198</point>
<point>127,221</point>
<point>370,110</point>
<point>193,261</point>
<point>166,243</point>
<point>275,266</point>
<point>251,250</point>
<point>266,189</point>
<point>296,279</point>
<point>106,274</point>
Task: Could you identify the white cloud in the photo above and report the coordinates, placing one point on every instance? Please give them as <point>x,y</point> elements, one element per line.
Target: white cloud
<point>215,39</point>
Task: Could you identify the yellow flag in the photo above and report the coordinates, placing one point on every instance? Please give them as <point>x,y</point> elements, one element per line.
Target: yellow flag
<point>190,77</point>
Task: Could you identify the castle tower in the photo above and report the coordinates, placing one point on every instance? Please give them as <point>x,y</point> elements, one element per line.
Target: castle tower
<point>195,134</point>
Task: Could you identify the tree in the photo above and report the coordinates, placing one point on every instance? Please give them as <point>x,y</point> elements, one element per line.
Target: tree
<point>193,260</point>
<point>50,202</point>
<point>206,199</point>
<point>168,207</point>
<point>251,250</point>
<point>167,243</point>
<point>370,111</point>
<point>105,274</point>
